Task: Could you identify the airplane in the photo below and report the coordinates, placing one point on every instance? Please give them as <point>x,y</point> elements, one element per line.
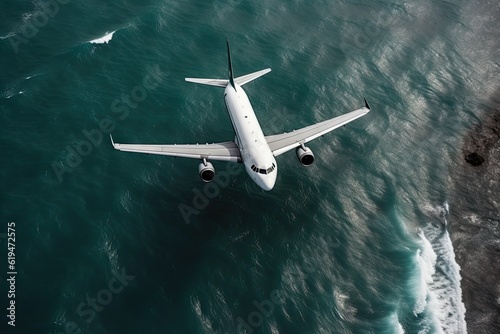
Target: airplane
<point>250,146</point>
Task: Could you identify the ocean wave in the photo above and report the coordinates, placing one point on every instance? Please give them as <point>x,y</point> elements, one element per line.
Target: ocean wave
<point>426,259</point>
<point>203,319</point>
<point>9,35</point>
<point>400,329</point>
<point>42,9</point>
<point>126,201</point>
<point>394,322</point>
<point>439,292</point>
<point>10,92</point>
<point>104,39</point>
<point>111,252</point>
<point>344,307</point>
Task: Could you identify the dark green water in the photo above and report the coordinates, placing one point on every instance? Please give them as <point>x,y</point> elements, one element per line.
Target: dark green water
<point>354,244</point>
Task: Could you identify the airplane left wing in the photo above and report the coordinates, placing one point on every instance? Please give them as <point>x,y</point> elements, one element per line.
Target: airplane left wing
<point>226,151</point>
<point>286,141</point>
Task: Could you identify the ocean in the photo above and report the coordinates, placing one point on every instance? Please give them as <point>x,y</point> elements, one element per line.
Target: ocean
<point>112,242</point>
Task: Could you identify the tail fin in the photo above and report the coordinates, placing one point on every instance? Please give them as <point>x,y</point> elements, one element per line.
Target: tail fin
<point>231,77</point>
<point>232,80</point>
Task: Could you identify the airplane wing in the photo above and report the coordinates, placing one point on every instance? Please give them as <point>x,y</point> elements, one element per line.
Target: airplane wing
<point>226,151</point>
<point>286,141</point>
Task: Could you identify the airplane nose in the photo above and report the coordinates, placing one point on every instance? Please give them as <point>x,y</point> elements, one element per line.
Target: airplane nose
<point>268,182</point>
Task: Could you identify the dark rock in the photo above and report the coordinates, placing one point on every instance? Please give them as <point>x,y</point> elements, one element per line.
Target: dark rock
<point>474,159</point>
<point>476,203</point>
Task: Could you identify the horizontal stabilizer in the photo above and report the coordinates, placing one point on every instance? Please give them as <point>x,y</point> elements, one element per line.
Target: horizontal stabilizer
<point>211,82</point>
<point>244,79</point>
<point>250,77</point>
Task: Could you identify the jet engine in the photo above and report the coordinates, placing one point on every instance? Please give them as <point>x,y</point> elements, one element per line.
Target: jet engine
<point>206,171</point>
<point>305,155</point>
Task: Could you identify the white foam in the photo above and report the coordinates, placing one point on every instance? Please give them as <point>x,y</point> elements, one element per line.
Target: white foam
<point>439,292</point>
<point>442,212</point>
<point>345,310</point>
<point>104,39</point>
<point>394,320</point>
<point>426,259</point>
<point>126,201</point>
<point>204,320</point>
<point>9,35</point>
<point>400,329</point>
<point>111,252</point>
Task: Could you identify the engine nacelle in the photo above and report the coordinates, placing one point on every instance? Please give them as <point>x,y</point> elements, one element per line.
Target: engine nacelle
<point>206,171</point>
<point>305,155</point>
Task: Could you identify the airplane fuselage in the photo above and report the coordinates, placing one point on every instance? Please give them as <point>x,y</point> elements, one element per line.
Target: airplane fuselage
<point>256,155</point>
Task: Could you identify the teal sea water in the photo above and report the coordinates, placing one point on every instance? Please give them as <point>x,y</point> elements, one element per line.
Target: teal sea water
<point>357,243</point>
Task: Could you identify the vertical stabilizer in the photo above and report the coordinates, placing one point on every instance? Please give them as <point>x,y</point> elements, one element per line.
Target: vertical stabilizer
<point>231,77</point>
<point>240,81</point>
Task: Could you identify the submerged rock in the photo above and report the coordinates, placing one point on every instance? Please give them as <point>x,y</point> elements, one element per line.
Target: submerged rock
<point>474,159</point>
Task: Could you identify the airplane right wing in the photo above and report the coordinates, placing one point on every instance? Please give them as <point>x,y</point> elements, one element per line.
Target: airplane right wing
<point>226,151</point>
<point>286,141</point>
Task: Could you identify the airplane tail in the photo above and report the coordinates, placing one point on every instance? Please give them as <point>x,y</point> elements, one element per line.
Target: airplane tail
<point>223,82</point>
<point>231,77</point>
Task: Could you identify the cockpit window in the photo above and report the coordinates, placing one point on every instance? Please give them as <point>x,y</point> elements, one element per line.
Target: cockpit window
<point>262,170</point>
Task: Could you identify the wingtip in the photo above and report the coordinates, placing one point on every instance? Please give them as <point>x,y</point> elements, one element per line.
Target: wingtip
<point>367,105</point>
<point>112,142</point>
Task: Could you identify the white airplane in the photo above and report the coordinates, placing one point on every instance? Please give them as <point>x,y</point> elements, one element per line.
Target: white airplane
<point>250,146</point>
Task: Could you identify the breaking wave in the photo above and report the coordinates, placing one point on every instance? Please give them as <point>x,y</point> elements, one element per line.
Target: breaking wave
<point>104,39</point>
<point>439,294</point>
